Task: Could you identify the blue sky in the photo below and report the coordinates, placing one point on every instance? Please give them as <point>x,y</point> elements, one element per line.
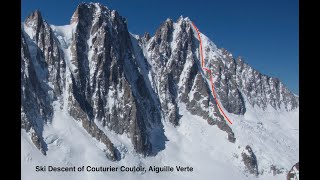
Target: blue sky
<point>264,32</point>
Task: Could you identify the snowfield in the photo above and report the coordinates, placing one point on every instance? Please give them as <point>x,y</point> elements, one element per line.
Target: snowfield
<point>194,143</point>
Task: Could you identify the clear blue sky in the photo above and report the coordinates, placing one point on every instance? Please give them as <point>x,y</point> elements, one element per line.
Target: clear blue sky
<point>264,32</point>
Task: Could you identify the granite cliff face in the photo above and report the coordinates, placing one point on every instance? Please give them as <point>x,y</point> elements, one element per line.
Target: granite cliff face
<point>49,48</point>
<point>36,107</point>
<point>108,78</point>
<point>106,84</point>
<point>176,74</point>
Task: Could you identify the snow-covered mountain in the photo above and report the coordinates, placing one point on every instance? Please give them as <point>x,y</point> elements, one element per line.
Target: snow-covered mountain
<point>92,93</point>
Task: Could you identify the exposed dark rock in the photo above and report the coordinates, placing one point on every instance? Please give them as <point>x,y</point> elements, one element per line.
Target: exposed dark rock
<point>50,50</point>
<point>169,66</point>
<point>108,85</point>
<point>250,161</point>
<point>226,85</point>
<point>35,102</point>
<point>262,90</point>
<point>38,142</point>
<point>275,170</point>
<point>146,36</point>
<point>293,174</point>
<point>98,134</point>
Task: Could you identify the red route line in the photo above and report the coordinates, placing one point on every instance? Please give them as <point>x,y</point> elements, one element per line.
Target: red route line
<point>202,61</point>
<point>211,77</point>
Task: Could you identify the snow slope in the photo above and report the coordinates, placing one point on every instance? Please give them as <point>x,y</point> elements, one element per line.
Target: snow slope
<point>64,35</point>
<point>194,143</point>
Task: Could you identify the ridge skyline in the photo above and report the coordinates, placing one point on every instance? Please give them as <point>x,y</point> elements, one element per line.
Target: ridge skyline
<point>281,61</point>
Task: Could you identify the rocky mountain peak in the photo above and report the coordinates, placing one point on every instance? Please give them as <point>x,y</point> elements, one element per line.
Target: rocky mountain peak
<point>168,26</point>
<point>34,19</point>
<point>146,36</point>
<point>95,11</point>
<point>89,10</point>
<point>183,19</point>
<point>34,24</point>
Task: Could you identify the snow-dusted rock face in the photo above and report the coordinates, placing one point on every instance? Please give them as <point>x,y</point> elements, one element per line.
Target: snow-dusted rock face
<point>36,109</point>
<point>250,161</point>
<point>113,82</point>
<point>106,83</point>
<point>177,76</point>
<point>236,81</point>
<point>40,32</point>
<point>262,90</point>
<point>294,172</point>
